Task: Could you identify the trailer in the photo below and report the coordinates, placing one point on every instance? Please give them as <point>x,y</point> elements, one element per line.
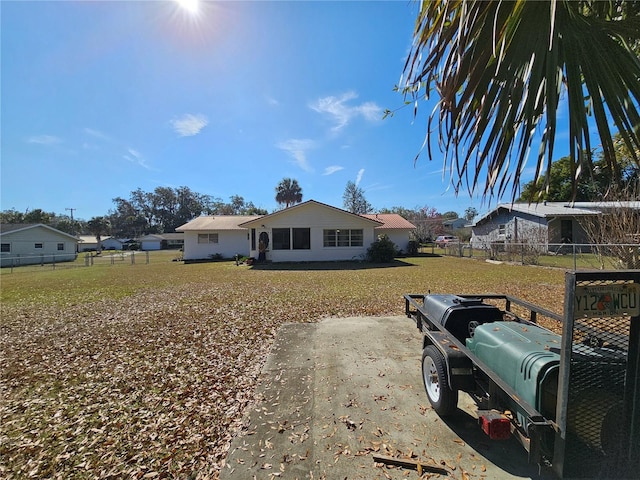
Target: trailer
<point>572,399</point>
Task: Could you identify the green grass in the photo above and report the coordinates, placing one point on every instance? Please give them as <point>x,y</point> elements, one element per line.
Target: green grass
<point>106,369</point>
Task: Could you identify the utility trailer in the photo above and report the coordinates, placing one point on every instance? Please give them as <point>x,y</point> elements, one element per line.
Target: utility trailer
<point>572,399</point>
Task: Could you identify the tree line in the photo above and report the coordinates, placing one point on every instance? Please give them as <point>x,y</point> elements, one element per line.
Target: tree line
<point>159,211</point>
<point>165,209</point>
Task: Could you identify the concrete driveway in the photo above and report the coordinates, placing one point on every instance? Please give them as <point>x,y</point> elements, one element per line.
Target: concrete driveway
<point>334,394</point>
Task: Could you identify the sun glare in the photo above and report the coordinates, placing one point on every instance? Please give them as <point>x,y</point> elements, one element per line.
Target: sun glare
<point>191,6</point>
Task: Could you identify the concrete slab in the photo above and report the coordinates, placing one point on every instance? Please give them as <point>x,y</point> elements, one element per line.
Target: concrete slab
<point>333,394</point>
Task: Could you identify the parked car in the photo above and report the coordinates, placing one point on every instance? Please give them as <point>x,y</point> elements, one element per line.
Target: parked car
<point>443,240</point>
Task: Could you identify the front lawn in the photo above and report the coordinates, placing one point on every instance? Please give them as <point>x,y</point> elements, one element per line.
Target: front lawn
<point>131,370</point>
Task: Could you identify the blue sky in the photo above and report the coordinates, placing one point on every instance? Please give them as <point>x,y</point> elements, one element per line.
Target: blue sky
<point>102,98</point>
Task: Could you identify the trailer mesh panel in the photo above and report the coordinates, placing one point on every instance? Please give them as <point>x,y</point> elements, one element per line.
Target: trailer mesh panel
<point>597,420</point>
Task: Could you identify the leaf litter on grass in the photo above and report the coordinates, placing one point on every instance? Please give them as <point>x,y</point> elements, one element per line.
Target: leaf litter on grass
<point>153,385</point>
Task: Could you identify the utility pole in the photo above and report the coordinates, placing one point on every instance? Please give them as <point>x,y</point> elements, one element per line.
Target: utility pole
<point>73,225</point>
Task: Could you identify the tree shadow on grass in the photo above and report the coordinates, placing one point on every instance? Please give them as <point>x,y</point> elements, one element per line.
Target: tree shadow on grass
<point>343,265</point>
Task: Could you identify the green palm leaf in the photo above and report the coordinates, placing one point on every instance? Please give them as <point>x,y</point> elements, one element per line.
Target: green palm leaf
<point>501,71</point>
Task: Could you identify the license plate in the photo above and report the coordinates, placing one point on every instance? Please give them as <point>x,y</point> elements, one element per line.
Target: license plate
<point>607,301</point>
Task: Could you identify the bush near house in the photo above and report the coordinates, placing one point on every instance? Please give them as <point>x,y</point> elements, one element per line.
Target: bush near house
<point>382,250</point>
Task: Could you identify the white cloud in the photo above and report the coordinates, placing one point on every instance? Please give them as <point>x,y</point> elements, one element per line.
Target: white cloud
<point>189,124</point>
<point>271,101</point>
<point>341,113</point>
<point>297,148</point>
<point>332,169</point>
<point>44,140</point>
<point>97,134</point>
<point>359,176</point>
<point>136,157</point>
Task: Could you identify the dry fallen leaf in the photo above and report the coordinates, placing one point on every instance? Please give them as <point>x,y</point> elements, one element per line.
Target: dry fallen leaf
<point>134,370</point>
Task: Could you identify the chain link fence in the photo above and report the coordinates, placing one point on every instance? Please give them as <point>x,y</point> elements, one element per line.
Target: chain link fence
<point>562,255</point>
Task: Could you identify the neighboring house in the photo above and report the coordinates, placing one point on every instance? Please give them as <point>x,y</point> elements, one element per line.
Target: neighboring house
<point>455,224</point>
<point>209,236</point>
<point>311,231</point>
<point>398,229</point>
<point>29,244</point>
<point>162,241</point>
<point>87,243</point>
<point>543,223</point>
<point>112,243</point>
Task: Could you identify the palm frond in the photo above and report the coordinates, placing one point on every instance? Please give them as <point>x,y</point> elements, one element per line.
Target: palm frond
<point>501,71</point>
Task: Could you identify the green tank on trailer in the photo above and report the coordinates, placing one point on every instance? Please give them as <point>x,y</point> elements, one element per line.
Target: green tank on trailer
<point>526,357</point>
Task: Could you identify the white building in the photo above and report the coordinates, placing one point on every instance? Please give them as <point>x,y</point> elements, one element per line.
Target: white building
<point>211,236</point>
<point>29,244</point>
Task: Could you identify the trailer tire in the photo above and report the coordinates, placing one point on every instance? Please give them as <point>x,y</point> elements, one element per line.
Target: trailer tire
<point>443,399</point>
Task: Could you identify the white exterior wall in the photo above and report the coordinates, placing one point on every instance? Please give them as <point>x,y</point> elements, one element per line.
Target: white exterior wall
<point>399,237</point>
<point>317,218</point>
<point>110,243</point>
<point>23,251</point>
<point>146,245</point>
<point>230,243</point>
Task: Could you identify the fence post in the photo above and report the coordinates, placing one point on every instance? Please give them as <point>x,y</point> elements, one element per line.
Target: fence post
<point>147,254</point>
<point>133,258</point>
<point>575,260</point>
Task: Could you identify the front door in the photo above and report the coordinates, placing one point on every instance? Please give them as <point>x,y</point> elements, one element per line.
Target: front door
<point>263,246</point>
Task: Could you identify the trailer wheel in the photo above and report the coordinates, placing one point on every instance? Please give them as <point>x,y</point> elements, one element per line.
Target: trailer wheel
<point>443,399</point>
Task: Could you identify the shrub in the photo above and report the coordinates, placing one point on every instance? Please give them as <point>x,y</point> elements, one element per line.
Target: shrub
<point>382,250</point>
<point>412,247</point>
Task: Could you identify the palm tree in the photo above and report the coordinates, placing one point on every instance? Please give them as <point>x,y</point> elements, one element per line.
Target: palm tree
<point>98,226</point>
<point>502,69</point>
<point>288,192</point>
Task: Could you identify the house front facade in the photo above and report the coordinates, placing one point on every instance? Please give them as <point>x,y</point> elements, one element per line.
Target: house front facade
<point>32,244</point>
<point>307,232</point>
<point>310,232</point>
<point>541,223</point>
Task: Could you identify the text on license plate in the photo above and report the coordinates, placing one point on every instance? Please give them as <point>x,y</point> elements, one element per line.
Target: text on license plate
<point>607,301</point>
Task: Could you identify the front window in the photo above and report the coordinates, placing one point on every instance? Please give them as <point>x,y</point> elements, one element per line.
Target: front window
<point>281,238</point>
<point>207,238</point>
<point>5,248</point>
<point>502,228</point>
<point>38,245</point>
<point>357,238</point>
<point>343,238</point>
<point>61,247</point>
<point>301,238</point>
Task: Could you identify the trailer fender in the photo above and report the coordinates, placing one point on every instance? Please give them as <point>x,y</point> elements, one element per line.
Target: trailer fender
<point>459,366</point>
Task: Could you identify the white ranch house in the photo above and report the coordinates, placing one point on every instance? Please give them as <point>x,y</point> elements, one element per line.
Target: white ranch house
<point>32,244</point>
<point>309,231</point>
